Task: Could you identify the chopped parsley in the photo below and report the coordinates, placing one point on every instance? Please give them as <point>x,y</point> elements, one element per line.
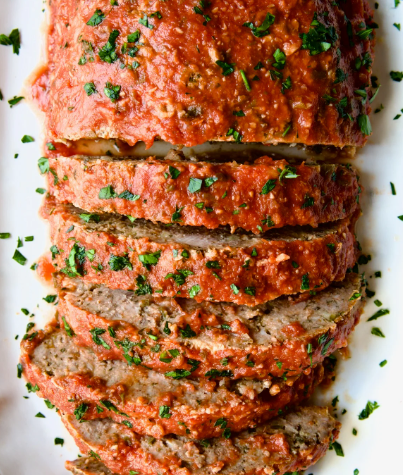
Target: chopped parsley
<point>107,53</point>
<point>67,327</point>
<point>194,291</point>
<point>195,185</point>
<point>176,216</point>
<point>144,21</point>
<point>337,448</point>
<point>268,186</point>
<point>396,75</point>
<point>15,100</point>
<point>341,76</point>
<point>80,411</point>
<point>245,80</point>
<point>178,374</point>
<point>319,38</point>
<point>368,410</point>
<point>377,332</point>
<point>164,412</point>
<point>308,202</point>
<point>263,29</point>
<point>75,261</point>
<point>143,287</point>
<point>90,88</point>
<point>43,164</point>
<point>235,134</point>
<point>50,298</point>
<point>118,263</point>
<point>227,68</point>
<point>234,289</point>
<point>111,91</point>
<point>27,139</point>
<point>97,18</point>
<point>286,85</point>
<point>150,259</point>
<point>383,363</point>
<point>127,195</point>
<point>18,257</point>
<point>97,339</point>
<point>13,39</point>
<point>216,373</point>
<point>380,313</point>
<point>305,282</point>
<point>287,172</point>
<point>213,265</point>
<point>174,172</point>
<point>364,124</point>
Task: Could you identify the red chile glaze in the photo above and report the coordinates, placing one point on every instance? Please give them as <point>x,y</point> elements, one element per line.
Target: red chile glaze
<point>291,355</point>
<point>237,198</point>
<point>179,94</point>
<point>271,273</point>
<point>128,453</point>
<point>240,411</point>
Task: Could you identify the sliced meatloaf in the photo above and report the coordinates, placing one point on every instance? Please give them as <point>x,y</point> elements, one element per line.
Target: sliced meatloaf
<point>286,444</point>
<point>208,194</point>
<point>190,73</point>
<point>156,404</point>
<point>202,264</point>
<point>227,339</point>
<point>89,465</point>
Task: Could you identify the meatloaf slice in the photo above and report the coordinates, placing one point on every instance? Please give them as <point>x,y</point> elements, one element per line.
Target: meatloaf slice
<point>252,71</point>
<point>209,194</point>
<point>156,404</point>
<point>286,444</point>
<point>87,465</point>
<point>203,264</point>
<point>227,339</point>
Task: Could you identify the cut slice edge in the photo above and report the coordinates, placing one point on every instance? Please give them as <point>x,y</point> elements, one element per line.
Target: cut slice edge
<point>203,264</point>
<point>76,382</point>
<point>288,443</point>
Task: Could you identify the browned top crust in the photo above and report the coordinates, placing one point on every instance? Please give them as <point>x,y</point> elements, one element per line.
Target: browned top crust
<point>193,72</point>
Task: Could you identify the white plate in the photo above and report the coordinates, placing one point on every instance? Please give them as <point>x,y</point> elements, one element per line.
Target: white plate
<point>27,443</point>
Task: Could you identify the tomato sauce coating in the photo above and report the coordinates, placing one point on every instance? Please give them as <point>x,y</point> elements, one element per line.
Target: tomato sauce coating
<point>230,71</point>
<point>209,194</point>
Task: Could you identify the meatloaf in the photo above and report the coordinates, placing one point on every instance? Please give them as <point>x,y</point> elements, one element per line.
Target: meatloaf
<point>155,404</point>
<point>208,194</point>
<point>203,264</point>
<point>286,444</point>
<point>192,72</point>
<point>227,339</point>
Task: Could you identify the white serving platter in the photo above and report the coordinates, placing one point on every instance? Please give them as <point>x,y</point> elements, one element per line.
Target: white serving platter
<point>27,443</point>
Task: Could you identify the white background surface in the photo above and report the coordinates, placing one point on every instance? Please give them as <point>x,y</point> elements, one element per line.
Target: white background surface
<point>27,443</point>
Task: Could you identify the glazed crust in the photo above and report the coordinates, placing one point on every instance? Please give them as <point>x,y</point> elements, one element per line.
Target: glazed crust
<point>172,88</point>
<point>246,343</point>
<point>251,269</point>
<point>242,196</point>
